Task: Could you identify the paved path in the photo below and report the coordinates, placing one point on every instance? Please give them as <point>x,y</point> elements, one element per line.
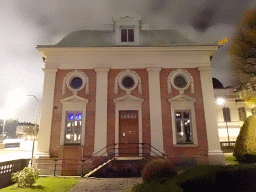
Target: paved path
<point>92,184</point>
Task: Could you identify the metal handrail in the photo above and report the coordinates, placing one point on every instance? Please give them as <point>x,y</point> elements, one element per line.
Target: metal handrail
<point>146,151</point>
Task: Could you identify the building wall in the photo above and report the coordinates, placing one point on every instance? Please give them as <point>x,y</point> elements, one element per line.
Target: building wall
<point>57,112</point>
<point>171,150</point>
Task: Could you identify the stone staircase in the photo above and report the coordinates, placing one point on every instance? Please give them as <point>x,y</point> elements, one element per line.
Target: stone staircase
<point>98,168</point>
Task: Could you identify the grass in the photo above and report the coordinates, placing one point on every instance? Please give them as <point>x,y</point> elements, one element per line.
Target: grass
<point>49,184</point>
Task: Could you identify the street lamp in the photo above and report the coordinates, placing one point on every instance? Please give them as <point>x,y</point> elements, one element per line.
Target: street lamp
<point>34,129</point>
<point>221,101</point>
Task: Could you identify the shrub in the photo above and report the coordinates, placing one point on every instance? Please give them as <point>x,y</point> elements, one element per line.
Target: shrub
<point>158,168</point>
<point>245,143</point>
<point>26,177</point>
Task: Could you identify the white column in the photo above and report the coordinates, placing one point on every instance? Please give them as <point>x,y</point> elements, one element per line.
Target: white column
<point>215,154</point>
<point>100,140</point>
<point>155,108</point>
<point>44,134</point>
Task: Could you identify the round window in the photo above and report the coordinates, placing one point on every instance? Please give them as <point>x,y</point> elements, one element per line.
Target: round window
<point>128,82</point>
<point>180,81</point>
<point>76,82</point>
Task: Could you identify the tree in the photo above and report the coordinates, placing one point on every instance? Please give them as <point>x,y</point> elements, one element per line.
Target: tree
<point>243,56</point>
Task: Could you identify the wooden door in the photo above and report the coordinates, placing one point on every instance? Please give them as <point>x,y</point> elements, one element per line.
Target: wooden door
<point>128,133</point>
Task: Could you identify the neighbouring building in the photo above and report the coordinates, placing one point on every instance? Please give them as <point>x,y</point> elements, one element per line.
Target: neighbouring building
<point>231,114</point>
<point>127,85</point>
<point>26,131</point>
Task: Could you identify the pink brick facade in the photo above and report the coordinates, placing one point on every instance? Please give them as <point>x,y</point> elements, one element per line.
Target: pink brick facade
<point>56,150</point>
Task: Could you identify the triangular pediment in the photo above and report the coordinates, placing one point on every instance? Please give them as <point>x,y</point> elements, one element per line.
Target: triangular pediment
<point>182,98</point>
<point>74,99</point>
<point>128,98</point>
<point>125,15</point>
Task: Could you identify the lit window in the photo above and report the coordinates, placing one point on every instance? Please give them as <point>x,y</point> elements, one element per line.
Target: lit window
<point>127,35</point>
<point>183,127</point>
<point>242,113</point>
<point>226,115</point>
<point>73,128</point>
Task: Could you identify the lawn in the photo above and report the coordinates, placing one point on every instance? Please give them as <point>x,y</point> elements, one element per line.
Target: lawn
<point>49,184</point>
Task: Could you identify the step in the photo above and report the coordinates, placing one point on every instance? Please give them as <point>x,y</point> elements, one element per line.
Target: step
<point>128,158</point>
<point>99,167</point>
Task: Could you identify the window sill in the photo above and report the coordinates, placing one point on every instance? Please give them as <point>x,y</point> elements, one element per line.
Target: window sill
<point>185,145</point>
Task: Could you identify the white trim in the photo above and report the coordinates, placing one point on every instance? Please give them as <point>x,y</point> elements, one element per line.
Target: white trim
<point>183,102</point>
<point>100,138</point>
<point>70,76</point>
<point>128,102</point>
<point>133,75</point>
<point>155,104</point>
<point>210,113</point>
<point>44,135</point>
<point>187,76</point>
<point>73,103</point>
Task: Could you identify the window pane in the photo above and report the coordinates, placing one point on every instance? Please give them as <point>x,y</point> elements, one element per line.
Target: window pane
<point>187,130</point>
<point>123,35</point>
<point>178,115</point>
<point>178,126</point>
<point>226,114</point>
<point>131,35</point>
<point>186,114</point>
<point>73,128</point>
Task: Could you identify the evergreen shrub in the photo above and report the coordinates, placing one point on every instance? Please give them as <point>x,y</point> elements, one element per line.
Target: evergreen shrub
<point>245,145</point>
<point>158,168</point>
<point>26,177</point>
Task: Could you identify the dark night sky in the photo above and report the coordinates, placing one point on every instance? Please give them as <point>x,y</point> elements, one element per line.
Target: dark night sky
<point>27,23</point>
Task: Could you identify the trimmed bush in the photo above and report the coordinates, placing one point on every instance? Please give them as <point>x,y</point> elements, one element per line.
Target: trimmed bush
<point>245,143</point>
<point>26,177</point>
<point>158,168</point>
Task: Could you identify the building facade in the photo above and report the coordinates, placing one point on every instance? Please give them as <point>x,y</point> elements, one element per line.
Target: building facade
<point>127,85</point>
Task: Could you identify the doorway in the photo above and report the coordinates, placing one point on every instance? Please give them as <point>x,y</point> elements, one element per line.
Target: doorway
<point>128,133</point>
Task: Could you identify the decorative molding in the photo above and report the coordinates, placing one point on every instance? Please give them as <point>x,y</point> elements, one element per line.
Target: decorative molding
<point>134,76</point>
<point>186,75</point>
<point>128,98</point>
<point>68,78</point>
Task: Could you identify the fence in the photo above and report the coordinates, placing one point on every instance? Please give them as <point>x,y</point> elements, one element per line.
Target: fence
<point>9,167</point>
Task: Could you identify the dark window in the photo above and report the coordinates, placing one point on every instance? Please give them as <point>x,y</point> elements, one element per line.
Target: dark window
<point>128,82</point>
<point>242,113</point>
<point>180,81</point>
<point>226,114</point>
<point>76,82</point>
<point>183,127</point>
<point>127,35</point>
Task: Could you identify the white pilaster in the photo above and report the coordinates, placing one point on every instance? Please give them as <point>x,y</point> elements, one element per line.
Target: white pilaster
<point>100,140</point>
<point>155,108</point>
<point>44,134</point>
<point>215,154</point>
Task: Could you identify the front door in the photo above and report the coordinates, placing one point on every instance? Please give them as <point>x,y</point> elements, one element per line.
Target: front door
<point>128,133</point>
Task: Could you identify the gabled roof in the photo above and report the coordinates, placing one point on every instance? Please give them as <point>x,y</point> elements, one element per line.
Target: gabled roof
<point>182,98</point>
<point>128,98</point>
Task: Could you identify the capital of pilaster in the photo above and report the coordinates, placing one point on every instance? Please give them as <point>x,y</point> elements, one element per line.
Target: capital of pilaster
<point>153,69</point>
<point>205,69</point>
<point>50,71</point>
<point>102,69</point>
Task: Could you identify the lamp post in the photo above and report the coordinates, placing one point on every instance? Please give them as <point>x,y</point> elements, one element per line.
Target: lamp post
<point>221,101</point>
<point>33,146</point>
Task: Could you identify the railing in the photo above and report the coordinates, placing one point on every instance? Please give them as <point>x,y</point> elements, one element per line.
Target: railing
<point>111,151</point>
<point>9,167</point>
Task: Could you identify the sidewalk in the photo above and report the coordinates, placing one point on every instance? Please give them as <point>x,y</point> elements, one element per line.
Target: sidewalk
<point>92,184</point>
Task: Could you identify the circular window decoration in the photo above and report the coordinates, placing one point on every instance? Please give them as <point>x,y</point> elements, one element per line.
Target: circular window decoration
<point>180,81</point>
<point>128,82</point>
<point>76,82</point>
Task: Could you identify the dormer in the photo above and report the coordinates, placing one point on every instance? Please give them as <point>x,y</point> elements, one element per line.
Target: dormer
<point>127,29</point>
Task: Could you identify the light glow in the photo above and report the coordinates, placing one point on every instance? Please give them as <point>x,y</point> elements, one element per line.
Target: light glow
<point>220,101</point>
